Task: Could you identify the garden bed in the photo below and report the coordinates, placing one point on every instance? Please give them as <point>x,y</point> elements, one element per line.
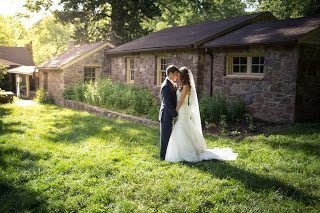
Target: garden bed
<point>242,129</point>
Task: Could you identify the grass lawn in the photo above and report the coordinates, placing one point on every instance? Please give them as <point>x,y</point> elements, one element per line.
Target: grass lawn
<point>54,159</point>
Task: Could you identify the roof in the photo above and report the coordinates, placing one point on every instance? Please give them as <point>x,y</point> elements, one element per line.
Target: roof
<point>70,55</point>
<point>279,31</point>
<point>28,70</point>
<point>188,36</point>
<point>17,55</point>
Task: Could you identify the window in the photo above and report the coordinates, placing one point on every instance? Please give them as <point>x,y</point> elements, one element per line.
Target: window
<point>245,65</point>
<point>89,74</point>
<point>161,70</point>
<point>130,70</point>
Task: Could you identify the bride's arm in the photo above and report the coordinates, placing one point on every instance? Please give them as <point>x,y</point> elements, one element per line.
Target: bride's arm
<point>184,92</point>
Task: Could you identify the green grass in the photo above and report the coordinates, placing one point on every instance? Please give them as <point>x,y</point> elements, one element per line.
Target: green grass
<point>53,159</point>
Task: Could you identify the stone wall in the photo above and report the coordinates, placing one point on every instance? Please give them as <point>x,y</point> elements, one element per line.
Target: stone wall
<point>308,83</point>
<point>75,73</point>
<point>60,79</point>
<point>55,83</point>
<point>270,98</point>
<point>146,66</point>
<point>105,113</point>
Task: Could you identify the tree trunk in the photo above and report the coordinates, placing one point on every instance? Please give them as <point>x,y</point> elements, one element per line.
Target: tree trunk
<point>116,23</point>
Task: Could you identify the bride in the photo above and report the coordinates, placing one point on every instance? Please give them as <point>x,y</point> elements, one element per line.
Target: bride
<point>186,142</point>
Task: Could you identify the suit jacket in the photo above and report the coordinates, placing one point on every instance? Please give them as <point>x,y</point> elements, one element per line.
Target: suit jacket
<point>169,102</point>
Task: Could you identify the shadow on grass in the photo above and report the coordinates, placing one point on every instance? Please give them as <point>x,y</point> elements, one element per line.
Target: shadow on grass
<point>14,196</point>
<point>8,127</point>
<point>77,128</point>
<point>307,134</point>
<point>252,181</point>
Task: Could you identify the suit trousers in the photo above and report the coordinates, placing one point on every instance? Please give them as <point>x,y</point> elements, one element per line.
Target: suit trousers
<point>165,131</point>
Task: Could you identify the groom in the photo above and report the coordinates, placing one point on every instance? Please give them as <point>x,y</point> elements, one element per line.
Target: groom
<point>168,108</point>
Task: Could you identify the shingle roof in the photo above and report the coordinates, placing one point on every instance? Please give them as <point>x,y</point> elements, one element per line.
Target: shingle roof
<point>18,55</point>
<point>186,36</point>
<point>279,31</point>
<point>68,55</point>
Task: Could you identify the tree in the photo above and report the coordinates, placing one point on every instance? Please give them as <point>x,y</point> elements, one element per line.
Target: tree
<point>12,32</point>
<point>5,82</point>
<point>49,38</point>
<point>284,9</point>
<point>184,12</point>
<point>119,20</point>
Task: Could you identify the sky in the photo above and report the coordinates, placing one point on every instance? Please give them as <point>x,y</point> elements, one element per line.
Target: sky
<point>11,7</point>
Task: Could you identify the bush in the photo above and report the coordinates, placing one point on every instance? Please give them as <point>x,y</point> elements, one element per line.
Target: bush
<point>67,93</point>
<point>43,98</point>
<point>131,98</point>
<point>213,109</point>
<point>237,109</point>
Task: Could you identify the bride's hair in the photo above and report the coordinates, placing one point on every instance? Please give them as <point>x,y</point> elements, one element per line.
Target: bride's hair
<point>184,77</point>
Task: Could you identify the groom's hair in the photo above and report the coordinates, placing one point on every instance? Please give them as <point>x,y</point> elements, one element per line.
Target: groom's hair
<point>171,68</point>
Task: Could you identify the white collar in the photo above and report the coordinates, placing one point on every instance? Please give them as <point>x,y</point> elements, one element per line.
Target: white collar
<point>170,81</point>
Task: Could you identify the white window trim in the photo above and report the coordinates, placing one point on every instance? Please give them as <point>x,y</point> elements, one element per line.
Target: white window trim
<point>159,72</point>
<point>249,74</point>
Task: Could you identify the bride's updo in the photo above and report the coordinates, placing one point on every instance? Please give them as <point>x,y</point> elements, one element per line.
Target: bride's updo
<point>184,77</point>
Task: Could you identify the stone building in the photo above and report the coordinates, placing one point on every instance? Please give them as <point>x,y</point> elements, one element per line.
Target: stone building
<point>144,61</point>
<point>273,65</point>
<point>81,63</point>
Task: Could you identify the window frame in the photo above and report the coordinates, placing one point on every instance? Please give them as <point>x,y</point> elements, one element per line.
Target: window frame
<point>249,56</point>
<point>161,71</point>
<point>130,70</point>
<point>86,79</point>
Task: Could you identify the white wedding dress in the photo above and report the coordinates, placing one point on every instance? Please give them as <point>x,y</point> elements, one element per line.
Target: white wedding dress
<point>186,142</point>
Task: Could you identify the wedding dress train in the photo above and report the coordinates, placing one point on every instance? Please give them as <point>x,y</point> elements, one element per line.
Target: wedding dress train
<point>186,142</point>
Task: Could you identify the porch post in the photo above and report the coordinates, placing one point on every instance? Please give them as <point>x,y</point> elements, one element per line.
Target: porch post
<point>18,85</point>
<point>28,85</point>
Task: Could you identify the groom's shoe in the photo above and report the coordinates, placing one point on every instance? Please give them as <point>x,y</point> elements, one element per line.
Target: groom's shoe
<point>162,158</point>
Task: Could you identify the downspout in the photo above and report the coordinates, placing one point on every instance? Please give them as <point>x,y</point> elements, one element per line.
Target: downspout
<point>211,69</point>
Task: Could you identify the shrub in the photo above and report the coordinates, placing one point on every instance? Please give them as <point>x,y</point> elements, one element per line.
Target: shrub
<point>67,93</point>
<point>237,108</point>
<point>43,98</point>
<point>79,90</point>
<point>131,98</point>
<point>212,108</point>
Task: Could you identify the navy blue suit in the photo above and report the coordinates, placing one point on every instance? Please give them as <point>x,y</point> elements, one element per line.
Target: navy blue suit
<point>166,115</point>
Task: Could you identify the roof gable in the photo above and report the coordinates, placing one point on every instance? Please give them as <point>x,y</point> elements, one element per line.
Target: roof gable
<point>16,55</point>
<point>188,36</point>
<point>72,55</point>
<point>279,31</point>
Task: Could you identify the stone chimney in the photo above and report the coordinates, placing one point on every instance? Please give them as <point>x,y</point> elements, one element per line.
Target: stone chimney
<point>29,47</point>
<point>71,44</point>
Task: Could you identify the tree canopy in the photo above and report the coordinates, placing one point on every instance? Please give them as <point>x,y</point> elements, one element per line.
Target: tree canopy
<point>284,9</point>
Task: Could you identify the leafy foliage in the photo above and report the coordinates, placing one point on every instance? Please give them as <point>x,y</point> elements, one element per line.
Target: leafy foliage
<point>130,98</point>
<point>43,97</point>
<point>284,9</point>
<point>12,33</point>
<point>49,38</point>
<point>5,82</point>
<point>217,108</point>
<point>184,12</point>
